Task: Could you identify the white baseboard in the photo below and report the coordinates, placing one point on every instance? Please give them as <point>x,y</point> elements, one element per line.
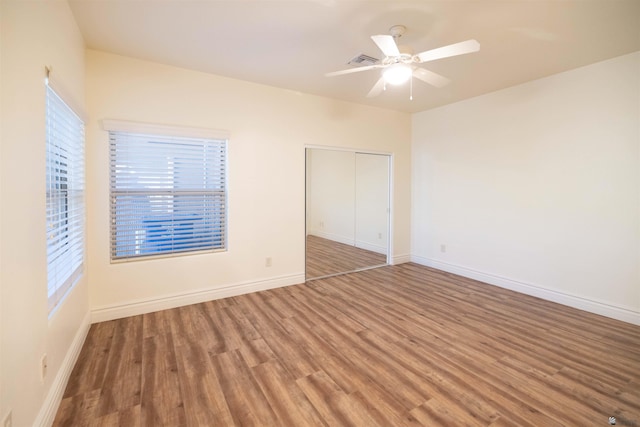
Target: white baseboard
<point>52,401</point>
<point>597,307</point>
<point>335,237</point>
<point>350,241</point>
<point>371,247</point>
<point>400,259</point>
<point>134,308</point>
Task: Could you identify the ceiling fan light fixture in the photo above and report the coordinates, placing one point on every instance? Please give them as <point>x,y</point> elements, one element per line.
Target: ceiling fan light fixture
<point>397,74</point>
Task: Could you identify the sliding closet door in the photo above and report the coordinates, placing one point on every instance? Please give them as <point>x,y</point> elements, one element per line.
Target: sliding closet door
<point>372,202</point>
<point>347,204</point>
<point>330,195</point>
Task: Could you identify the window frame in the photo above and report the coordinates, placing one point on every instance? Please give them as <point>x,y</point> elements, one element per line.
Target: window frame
<point>213,211</point>
<point>65,207</point>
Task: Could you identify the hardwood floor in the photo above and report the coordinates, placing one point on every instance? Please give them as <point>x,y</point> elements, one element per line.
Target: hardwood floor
<point>326,257</point>
<point>396,346</point>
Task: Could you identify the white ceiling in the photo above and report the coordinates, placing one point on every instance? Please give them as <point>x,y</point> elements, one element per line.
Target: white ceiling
<point>292,44</point>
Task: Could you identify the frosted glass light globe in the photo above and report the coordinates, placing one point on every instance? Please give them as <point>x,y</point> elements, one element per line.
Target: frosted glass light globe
<point>397,74</point>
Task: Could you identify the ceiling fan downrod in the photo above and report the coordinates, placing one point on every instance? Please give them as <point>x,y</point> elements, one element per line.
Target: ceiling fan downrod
<point>397,31</point>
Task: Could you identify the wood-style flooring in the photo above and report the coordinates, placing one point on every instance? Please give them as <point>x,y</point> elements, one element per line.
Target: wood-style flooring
<point>395,346</point>
<point>326,257</point>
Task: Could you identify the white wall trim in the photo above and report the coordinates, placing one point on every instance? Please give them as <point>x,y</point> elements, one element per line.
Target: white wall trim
<point>163,130</point>
<point>400,259</point>
<point>597,307</point>
<point>134,308</point>
<point>371,247</point>
<point>52,401</point>
<point>348,149</point>
<point>335,237</point>
<point>349,241</point>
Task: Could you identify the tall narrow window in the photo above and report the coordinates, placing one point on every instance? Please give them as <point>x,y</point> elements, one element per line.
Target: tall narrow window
<point>65,197</point>
<point>168,195</point>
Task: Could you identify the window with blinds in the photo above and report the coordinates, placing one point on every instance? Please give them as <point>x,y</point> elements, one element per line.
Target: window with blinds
<point>64,197</point>
<point>168,195</point>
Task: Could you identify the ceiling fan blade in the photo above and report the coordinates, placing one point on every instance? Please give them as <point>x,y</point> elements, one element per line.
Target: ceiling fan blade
<point>386,44</point>
<point>377,88</point>
<point>461,48</point>
<point>352,70</point>
<point>430,77</point>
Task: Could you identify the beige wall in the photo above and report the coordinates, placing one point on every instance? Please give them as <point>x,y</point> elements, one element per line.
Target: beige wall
<point>34,35</point>
<point>537,187</point>
<point>269,130</point>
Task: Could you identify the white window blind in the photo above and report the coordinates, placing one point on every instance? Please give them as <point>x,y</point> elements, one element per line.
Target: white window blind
<point>168,195</point>
<point>65,197</point>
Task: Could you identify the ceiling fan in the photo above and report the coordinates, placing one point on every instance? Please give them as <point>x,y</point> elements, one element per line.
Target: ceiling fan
<point>400,64</point>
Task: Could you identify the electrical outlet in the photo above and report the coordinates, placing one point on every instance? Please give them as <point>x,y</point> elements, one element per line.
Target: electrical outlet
<point>443,248</point>
<point>379,235</point>
<point>267,261</point>
<point>321,224</point>
<point>43,366</point>
<point>8,421</point>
